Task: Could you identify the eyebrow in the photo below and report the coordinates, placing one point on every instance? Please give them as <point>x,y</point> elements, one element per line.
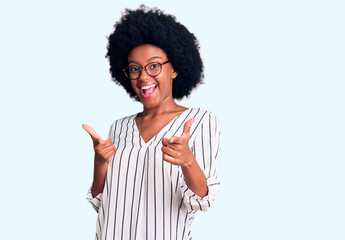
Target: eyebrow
<point>148,59</point>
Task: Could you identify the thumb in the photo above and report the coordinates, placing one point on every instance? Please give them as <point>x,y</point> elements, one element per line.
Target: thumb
<point>92,133</point>
<point>186,127</point>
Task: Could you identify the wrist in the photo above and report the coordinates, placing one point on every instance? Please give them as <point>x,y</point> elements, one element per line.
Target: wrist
<point>190,161</point>
<point>99,161</point>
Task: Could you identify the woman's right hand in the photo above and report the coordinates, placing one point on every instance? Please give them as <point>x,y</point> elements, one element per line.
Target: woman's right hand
<point>104,149</point>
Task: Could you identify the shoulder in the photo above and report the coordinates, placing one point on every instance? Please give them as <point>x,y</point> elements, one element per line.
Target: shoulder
<point>204,120</point>
<point>201,115</point>
<point>124,119</point>
<point>116,125</point>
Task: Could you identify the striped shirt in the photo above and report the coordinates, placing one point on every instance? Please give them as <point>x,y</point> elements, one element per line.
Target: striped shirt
<point>145,197</point>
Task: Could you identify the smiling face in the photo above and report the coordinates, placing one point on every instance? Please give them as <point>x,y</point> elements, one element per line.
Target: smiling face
<point>153,92</point>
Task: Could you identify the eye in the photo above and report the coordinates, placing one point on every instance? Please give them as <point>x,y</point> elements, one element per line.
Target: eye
<point>134,68</point>
<point>154,65</point>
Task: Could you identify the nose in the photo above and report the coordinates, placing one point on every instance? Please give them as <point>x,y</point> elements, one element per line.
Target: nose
<point>143,74</point>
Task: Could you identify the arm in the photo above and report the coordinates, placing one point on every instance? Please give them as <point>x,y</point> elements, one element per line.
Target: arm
<point>176,151</point>
<point>194,177</point>
<point>199,183</point>
<point>99,173</point>
<point>104,150</point>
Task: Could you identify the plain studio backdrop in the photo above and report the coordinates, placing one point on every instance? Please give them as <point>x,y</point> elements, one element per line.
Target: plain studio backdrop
<point>274,76</point>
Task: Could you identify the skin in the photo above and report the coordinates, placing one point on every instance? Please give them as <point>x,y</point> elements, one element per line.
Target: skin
<point>158,111</point>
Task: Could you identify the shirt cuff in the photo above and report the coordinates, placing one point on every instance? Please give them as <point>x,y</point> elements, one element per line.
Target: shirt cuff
<point>194,202</point>
<point>95,201</point>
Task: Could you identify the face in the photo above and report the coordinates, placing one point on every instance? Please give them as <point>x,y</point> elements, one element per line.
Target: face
<point>152,91</point>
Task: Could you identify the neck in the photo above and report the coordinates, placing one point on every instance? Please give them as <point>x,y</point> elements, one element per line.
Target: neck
<point>164,107</point>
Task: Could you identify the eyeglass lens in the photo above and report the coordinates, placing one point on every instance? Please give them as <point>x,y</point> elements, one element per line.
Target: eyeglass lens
<point>153,69</point>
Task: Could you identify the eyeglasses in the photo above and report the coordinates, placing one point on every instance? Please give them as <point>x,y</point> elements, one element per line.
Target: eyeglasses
<point>153,69</point>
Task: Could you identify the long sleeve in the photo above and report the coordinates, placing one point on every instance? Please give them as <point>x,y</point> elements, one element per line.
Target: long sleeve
<point>96,200</point>
<point>205,147</point>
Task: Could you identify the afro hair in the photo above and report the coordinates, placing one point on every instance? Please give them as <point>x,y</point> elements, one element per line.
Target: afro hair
<point>152,26</point>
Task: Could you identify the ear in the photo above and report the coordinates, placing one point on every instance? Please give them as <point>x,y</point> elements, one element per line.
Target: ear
<point>174,74</point>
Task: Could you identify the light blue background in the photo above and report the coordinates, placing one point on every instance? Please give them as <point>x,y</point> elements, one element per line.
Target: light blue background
<point>274,76</point>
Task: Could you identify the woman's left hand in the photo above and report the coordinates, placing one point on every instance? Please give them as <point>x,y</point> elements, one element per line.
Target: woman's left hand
<point>176,149</point>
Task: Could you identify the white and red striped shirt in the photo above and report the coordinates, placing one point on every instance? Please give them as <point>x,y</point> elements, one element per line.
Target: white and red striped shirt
<point>145,197</point>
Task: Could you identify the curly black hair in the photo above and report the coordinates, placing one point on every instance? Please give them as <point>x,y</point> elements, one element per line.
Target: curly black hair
<point>152,26</point>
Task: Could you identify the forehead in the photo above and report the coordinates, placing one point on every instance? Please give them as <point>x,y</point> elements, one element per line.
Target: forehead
<point>145,53</point>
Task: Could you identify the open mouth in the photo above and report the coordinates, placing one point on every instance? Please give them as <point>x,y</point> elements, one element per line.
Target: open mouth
<point>148,91</point>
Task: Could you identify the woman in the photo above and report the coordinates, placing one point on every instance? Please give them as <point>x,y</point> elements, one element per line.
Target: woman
<point>158,167</point>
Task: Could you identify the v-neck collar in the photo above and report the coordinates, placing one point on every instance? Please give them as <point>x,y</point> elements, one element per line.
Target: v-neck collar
<point>160,132</point>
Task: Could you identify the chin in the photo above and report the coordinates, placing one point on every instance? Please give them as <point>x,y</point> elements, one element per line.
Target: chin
<point>149,105</point>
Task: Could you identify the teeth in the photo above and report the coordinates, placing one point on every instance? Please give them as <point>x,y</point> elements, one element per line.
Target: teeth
<point>147,87</point>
